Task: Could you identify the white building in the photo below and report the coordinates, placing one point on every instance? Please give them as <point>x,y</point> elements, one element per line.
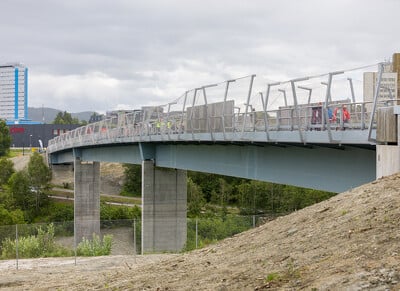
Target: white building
<point>13,92</point>
<point>388,88</point>
<point>389,83</point>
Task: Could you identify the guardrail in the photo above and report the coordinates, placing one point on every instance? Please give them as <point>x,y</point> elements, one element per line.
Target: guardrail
<point>228,111</point>
<point>127,128</point>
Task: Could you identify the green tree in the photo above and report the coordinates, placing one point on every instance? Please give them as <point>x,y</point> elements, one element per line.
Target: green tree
<point>195,198</point>
<point>133,180</point>
<point>40,177</point>
<point>20,190</point>
<point>65,118</point>
<point>9,217</point>
<point>5,138</point>
<point>207,182</point>
<point>6,170</point>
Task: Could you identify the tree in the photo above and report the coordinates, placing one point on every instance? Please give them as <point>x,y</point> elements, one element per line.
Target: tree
<point>20,190</point>
<point>5,138</point>
<point>65,118</point>
<point>195,198</point>
<point>9,217</point>
<point>6,170</point>
<point>39,176</point>
<point>133,180</point>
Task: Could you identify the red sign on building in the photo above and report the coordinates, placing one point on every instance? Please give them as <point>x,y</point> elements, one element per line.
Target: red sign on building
<point>17,130</point>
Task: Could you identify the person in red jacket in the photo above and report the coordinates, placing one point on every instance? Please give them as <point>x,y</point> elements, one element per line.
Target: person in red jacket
<point>341,115</point>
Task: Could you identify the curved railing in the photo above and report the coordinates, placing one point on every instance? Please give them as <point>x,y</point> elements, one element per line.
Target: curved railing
<point>237,127</point>
<point>229,111</point>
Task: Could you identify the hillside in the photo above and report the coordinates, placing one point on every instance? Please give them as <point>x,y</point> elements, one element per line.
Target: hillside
<point>350,242</point>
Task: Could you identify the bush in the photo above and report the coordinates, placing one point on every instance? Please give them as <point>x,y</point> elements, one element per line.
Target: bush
<point>111,212</point>
<point>41,245</point>
<point>95,247</point>
<point>213,229</point>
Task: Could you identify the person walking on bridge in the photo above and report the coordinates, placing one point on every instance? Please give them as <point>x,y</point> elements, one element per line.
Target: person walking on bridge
<point>341,116</point>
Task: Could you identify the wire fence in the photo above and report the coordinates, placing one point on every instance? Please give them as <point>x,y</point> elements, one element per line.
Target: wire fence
<point>117,237</point>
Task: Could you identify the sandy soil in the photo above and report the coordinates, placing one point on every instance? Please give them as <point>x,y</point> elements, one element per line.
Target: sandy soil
<point>350,242</point>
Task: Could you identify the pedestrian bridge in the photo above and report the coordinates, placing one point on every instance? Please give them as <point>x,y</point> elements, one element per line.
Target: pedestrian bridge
<point>295,132</point>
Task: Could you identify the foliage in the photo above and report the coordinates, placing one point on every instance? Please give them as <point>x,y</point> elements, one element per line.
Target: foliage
<point>133,180</point>
<point>40,177</point>
<point>9,217</point>
<point>272,277</point>
<point>112,212</point>
<point>56,212</point>
<point>39,172</point>
<point>6,170</point>
<point>5,138</point>
<point>14,152</point>
<point>257,196</point>
<point>65,118</point>
<point>34,246</point>
<point>217,189</point>
<point>207,182</point>
<point>215,228</point>
<point>20,190</point>
<point>95,247</point>
<point>195,198</point>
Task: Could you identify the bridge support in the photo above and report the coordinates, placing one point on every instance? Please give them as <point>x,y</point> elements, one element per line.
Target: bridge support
<point>87,199</point>
<point>164,203</point>
<point>388,138</point>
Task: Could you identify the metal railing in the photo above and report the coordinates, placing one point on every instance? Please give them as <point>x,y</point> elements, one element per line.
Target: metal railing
<point>125,128</point>
<point>234,114</point>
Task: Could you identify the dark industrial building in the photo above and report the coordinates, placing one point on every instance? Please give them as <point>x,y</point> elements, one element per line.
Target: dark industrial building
<point>28,135</point>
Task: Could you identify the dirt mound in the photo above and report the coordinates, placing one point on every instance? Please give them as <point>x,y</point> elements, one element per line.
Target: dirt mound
<point>350,242</point>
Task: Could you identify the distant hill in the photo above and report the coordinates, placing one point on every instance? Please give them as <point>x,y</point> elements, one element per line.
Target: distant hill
<point>49,114</point>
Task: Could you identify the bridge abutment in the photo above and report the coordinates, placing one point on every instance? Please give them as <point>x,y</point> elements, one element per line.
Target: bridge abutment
<point>87,199</point>
<point>164,208</point>
<point>388,138</point>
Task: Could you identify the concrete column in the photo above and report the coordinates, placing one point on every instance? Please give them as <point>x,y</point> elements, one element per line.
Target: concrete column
<point>164,207</point>
<point>87,199</point>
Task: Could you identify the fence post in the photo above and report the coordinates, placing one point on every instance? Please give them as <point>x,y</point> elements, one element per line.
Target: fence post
<point>134,240</point>
<point>75,239</point>
<point>196,232</point>
<point>254,221</point>
<point>16,244</point>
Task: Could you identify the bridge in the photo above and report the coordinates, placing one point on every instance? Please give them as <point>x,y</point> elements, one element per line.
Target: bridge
<point>295,132</point>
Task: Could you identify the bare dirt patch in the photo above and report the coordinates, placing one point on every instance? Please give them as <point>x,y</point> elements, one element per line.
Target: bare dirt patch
<point>350,242</point>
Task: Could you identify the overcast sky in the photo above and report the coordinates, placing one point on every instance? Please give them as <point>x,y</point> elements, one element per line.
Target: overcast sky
<point>101,55</point>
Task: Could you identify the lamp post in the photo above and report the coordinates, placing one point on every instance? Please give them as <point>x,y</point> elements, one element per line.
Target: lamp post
<point>30,142</point>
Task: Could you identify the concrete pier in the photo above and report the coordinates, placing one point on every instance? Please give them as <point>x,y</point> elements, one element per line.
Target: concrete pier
<point>164,208</point>
<point>87,199</point>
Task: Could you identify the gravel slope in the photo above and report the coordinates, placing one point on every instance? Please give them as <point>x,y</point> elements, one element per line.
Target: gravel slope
<point>350,242</point>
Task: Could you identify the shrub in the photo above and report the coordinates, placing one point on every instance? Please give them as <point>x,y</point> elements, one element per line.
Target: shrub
<point>111,212</point>
<point>212,229</point>
<point>95,247</point>
<point>31,246</point>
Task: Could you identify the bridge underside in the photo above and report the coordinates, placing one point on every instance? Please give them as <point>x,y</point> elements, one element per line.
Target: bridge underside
<point>332,167</point>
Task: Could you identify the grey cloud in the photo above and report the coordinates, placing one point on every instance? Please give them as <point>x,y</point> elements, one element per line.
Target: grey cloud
<point>165,44</point>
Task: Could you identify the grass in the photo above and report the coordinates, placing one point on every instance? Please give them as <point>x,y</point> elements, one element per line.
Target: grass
<point>272,277</point>
<point>12,153</point>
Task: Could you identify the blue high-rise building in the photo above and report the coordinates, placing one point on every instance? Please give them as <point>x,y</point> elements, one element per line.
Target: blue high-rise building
<point>14,93</point>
